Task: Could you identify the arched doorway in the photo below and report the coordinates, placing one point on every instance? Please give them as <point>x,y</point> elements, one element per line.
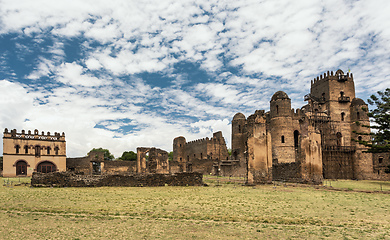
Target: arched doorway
<point>21,168</point>
<point>46,167</point>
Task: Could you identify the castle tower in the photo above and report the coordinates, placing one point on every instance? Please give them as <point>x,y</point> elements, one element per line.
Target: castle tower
<point>179,146</point>
<point>335,92</point>
<point>238,138</point>
<point>362,161</point>
<point>282,132</point>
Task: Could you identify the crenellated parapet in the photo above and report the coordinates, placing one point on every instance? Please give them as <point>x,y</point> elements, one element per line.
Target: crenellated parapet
<point>34,136</point>
<point>337,76</point>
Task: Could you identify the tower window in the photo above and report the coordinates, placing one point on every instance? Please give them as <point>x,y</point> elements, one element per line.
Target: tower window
<point>37,151</point>
<point>341,94</point>
<point>358,116</point>
<point>56,150</point>
<point>380,159</point>
<point>26,149</point>
<point>282,139</point>
<point>360,138</point>
<point>342,116</point>
<point>277,109</point>
<point>17,147</point>
<point>48,150</point>
<point>296,138</point>
<point>339,137</point>
<point>239,128</point>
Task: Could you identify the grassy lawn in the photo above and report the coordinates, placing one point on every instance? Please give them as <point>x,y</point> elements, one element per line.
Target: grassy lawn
<point>228,211</point>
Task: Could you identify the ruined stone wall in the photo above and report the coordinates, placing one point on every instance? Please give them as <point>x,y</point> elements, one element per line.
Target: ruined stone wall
<point>290,172</point>
<point>117,167</point>
<point>311,157</point>
<point>155,162</point>
<point>259,149</point>
<point>381,166</point>
<point>70,179</point>
<point>196,149</point>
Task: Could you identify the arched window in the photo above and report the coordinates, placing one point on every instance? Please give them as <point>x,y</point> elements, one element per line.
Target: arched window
<point>239,128</point>
<point>56,150</point>
<point>342,116</point>
<point>296,137</point>
<point>339,137</point>
<point>46,167</point>
<point>341,94</point>
<point>358,116</point>
<point>282,139</point>
<point>37,151</point>
<point>21,168</point>
<point>17,147</point>
<point>48,150</point>
<point>360,138</point>
<point>201,155</point>
<point>277,109</point>
<point>26,149</point>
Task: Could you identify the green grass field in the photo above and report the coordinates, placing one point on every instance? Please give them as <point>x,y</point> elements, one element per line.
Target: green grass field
<point>220,211</point>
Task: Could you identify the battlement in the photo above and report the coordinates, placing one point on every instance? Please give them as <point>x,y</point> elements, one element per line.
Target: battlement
<point>217,136</point>
<point>34,136</point>
<point>338,76</point>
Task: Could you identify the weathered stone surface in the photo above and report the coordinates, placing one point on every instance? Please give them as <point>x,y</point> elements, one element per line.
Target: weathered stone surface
<point>70,179</point>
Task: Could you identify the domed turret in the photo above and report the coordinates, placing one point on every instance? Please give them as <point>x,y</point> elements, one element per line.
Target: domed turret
<point>357,102</point>
<point>239,116</point>
<point>279,95</point>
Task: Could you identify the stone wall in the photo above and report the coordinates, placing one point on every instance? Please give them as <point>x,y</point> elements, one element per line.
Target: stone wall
<point>290,172</point>
<point>70,179</point>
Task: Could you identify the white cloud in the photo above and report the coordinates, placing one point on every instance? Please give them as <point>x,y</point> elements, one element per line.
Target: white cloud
<point>271,45</point>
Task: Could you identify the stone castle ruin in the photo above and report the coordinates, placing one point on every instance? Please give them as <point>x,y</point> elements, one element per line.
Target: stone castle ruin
<point>317,141</point>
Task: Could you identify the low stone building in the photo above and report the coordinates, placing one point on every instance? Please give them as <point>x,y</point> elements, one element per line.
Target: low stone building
<point>201,155</point>
<point>27,152</point>
<point>94,164</point>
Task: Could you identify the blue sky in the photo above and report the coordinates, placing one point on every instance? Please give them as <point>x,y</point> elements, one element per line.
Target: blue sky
<point>123,74</point>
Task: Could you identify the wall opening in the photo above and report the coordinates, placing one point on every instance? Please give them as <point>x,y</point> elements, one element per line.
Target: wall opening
<point>282,139</point>
<point>17,147</point>
<point>277,109</point>
<point>48,150</point>
<point>46,167</point>
<point>339,137</point>
<point>380,159</point>
<point>26,149</point>
<point>342,116</point>
<point>358,116</point>
<point>296,139</point>
<point>21,168</point>
<point>37,151</point>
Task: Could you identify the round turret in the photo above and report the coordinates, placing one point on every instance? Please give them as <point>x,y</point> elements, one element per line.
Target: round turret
<point>239,116</point>
<point>280,105</point>
<point>179,149</point>
<point>357,102</point>
<point>279,95</point>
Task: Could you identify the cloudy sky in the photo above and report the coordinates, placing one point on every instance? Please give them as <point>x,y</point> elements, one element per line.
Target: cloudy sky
<point>122,74</point>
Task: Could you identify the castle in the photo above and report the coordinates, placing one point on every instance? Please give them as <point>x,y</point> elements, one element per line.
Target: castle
<point>317,141</point>
<point>308,144</point>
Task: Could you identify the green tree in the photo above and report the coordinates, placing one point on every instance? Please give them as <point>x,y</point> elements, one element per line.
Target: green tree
<point>170,156</point>
<point>128,156</point>
<point>107,154</point>
<point>380,116</point>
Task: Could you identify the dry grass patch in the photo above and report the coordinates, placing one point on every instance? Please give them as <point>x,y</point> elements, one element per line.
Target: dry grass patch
<point>229,211</point>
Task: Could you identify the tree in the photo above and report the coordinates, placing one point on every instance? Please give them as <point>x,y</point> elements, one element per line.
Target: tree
<point>380,115</point>
<point>107,154</point>
<point>170,156</point>
<point>128,156</point>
